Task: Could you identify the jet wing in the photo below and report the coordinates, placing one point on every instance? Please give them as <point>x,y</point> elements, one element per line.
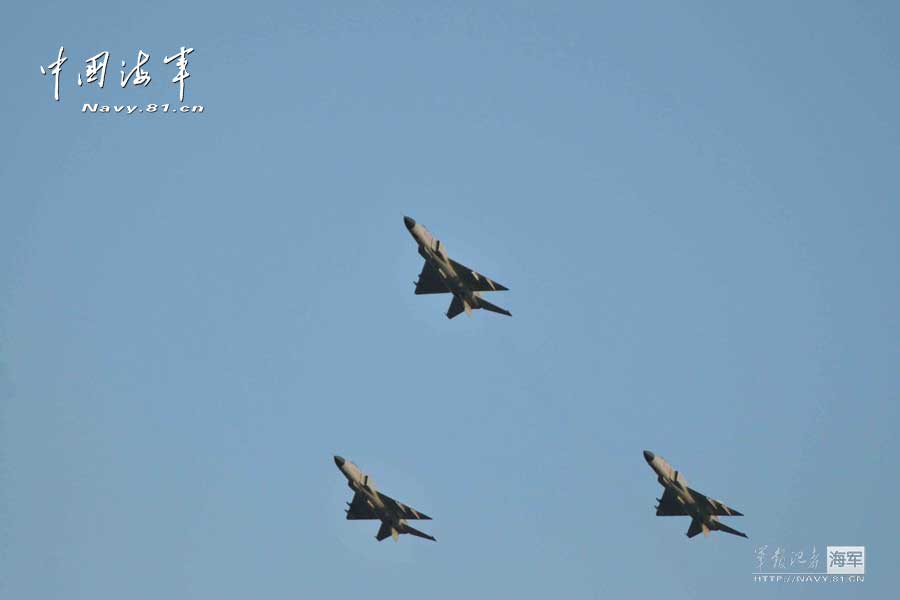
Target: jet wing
<point>360,509</point>
<point>401,510</point>
<point>430,281</point>
<point>669,506</point>
<point>717,508</point>
<point>474,280</point>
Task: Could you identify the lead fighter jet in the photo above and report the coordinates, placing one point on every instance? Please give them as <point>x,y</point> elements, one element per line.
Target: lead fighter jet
<point>369,503</point>
<point>441,274</point>
<point>680,500</point>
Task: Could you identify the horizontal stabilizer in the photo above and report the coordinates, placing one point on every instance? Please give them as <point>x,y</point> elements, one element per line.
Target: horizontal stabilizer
<point>695,528</point>
<point>456,307</point>
<point>482,303</point>
<point>386,531</point>
<point>417,533</point>
<point>722,527</point>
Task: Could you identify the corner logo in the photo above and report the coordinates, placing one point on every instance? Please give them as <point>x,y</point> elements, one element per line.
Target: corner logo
<point>840,564</point>
<point>138,75</point>
<point>846,560</point>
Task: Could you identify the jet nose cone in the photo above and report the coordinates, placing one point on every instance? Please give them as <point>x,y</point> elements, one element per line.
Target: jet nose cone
<point>409,222</point>
<point>339,461</point>
<point>648,456</point>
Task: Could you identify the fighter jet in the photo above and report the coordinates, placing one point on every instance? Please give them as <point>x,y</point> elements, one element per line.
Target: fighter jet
<point>369,503</point>
<point>441,275</point>
<point>680,500</point>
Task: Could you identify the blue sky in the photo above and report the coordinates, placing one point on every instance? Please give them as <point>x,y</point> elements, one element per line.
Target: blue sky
<point>695,209</point>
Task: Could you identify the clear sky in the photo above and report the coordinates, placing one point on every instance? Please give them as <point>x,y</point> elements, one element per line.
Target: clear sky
<point>695,209</point>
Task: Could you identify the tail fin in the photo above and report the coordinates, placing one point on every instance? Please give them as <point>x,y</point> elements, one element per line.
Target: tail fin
<point>722,527</point>
<point>482,303</point>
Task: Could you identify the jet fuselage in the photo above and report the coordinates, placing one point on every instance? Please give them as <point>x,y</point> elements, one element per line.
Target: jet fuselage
<point>433,251</point>
<point>359,482</point>
<point>675,482</point>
